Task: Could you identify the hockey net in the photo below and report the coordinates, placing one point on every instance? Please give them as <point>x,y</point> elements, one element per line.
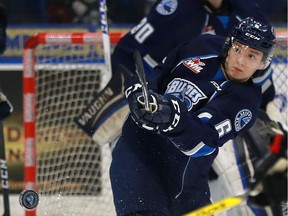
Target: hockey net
<point>62,72</point>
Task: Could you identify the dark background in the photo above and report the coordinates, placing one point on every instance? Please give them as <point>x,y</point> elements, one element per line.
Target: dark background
<point>119,11</point>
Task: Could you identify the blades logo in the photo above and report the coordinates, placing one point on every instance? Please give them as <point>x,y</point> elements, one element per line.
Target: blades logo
<point>167,7</point>
<point>194,65</point>
<point>189,92</point>
<point>242,119</point>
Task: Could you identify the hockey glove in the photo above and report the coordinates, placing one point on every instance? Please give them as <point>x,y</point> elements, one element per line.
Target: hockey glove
<point>167,111</point>
<point>6,107</point>
<point>166,115</point>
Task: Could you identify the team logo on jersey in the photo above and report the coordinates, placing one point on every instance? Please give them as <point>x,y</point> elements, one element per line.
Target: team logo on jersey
<point>186,91</point>
<point>194,64</point>
<point>242,119</point>
<point>167,7</point>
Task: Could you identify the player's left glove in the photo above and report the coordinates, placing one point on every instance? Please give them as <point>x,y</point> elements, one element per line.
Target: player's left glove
<point>6,107</point>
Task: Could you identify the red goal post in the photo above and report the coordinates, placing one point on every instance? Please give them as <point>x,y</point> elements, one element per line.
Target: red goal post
<point>61,73</point>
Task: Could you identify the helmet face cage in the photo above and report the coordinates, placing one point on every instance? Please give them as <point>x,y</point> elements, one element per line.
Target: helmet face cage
<point>255,34</point>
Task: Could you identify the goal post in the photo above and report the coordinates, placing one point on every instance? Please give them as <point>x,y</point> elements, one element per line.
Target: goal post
<point>61,73</point>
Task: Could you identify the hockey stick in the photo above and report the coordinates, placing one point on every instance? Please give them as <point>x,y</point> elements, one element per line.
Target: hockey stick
<point>260,171</point>
<point>106,43</point>
<point>142,79</point>
<point>4,173</point>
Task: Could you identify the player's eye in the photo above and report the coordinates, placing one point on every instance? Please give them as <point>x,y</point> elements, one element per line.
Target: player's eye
<point>252,56</point>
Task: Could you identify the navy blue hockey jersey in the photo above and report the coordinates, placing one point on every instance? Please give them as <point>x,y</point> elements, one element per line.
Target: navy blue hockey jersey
<point>219,109</point>
<point>168,23</point>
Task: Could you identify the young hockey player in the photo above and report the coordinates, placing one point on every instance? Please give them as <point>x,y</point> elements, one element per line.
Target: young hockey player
<point>201,97</point>
<point>154,37</point>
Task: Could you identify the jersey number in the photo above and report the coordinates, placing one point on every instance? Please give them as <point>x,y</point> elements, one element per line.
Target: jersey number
<point>142,31</point>
<point>223,127</point>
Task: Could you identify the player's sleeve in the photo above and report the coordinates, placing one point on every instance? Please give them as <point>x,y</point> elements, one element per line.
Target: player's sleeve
<point>225,116</point>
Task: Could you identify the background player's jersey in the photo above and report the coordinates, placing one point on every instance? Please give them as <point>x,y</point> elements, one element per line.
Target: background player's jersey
<point>168,23</point>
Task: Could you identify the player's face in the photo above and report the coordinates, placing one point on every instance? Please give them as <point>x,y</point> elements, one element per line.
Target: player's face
<point>242,62</point>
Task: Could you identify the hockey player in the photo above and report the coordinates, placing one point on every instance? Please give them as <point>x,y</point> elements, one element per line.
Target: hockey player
<point>154,39</point>
<point>188,18</point>
<point>201,97</point>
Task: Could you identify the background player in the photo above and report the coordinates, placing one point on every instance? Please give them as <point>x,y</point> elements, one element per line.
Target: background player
<point>163,158</point>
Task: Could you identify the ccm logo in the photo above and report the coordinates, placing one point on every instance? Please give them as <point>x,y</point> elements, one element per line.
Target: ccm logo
<point>251,36</point>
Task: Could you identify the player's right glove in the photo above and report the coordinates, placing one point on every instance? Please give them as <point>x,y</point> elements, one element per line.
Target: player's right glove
<point>167,111</point>
<point>6,107</point>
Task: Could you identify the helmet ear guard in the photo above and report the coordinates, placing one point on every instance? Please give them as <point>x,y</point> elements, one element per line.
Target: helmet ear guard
<point>268,58</point>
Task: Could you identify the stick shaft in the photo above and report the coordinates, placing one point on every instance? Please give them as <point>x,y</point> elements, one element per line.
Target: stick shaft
<point>141,75</point>
<point>106,42</point>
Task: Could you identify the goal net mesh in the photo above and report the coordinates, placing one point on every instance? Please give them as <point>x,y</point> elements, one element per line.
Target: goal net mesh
<point>280,75</point>
<point>69,164</point>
